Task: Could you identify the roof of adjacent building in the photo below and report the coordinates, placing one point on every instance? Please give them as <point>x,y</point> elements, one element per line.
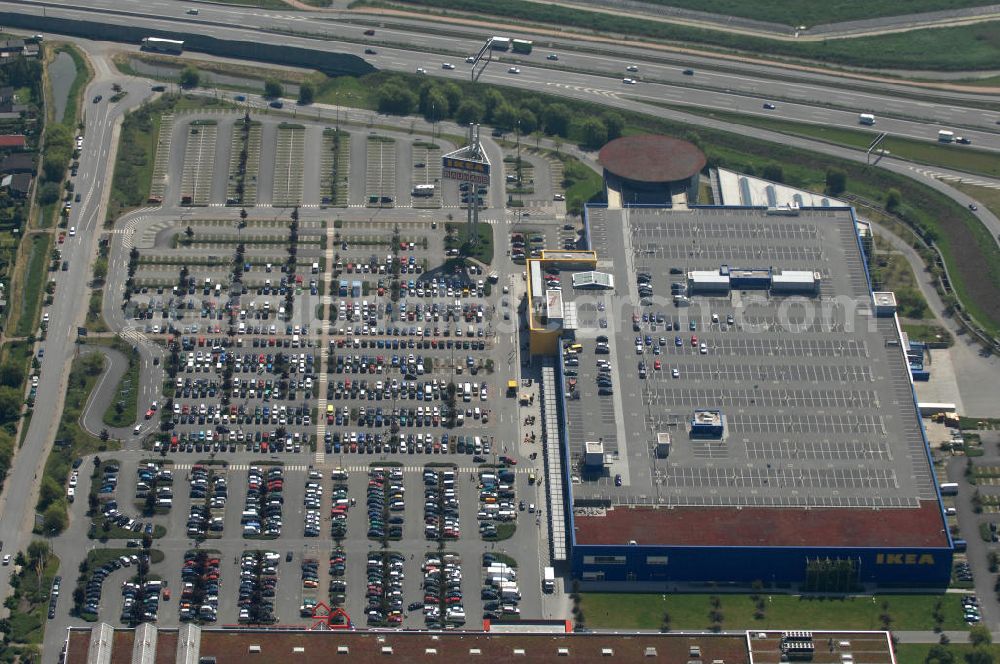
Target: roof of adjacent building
<point>12,141</point>
<point>652,158</point>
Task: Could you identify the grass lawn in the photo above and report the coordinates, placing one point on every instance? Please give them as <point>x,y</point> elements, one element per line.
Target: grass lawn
<point>581,183</point>
<point>982,195</point>
<point>928,152</point>
<point>33,288</point>
<point>71,440</point>
<point>645,611</point>
<point>795,12</point>
<point>891,271</point>
<point>347,91</point>
<point>27,623</point>
<point>458,233</point>
<point>505,530</point>
<point>263,4</point>
<point>123,411</point>
<point>916,653</point>
<point>930,332</point>
<point>97,531</point>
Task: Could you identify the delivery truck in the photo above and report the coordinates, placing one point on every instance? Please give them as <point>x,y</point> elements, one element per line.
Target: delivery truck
<point>548,579</point>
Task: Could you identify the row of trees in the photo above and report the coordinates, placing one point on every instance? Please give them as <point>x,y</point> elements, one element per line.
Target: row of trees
<point>190,77</point>
<point>527,114</point>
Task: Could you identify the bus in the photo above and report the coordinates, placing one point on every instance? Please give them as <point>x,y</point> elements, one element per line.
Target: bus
<point>162,45</point>
<point>521,46</point>
<point>423,190</point>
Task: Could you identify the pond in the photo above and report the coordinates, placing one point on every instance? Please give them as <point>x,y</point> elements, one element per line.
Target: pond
<point>62,73</point>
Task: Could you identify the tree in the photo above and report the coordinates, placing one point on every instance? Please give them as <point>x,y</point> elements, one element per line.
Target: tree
<point>11,375</point>
<point>556,119</point>
<point>434,105</point>
<point>54,520</point>
<point>104,435</point>
<point>528,121</point>
<point>38,551</point>
<point>469,111</point>
<point>54,167</point>
<point>615,124</point>
<point>100,269</point>
<point>492,100</point>
<point>979,635</point>
<point>10,404</point>
<point>774,173</point>
<point>395,99</point>
<point>594,133</point>
<point>893,199</point>
<point>307,93</point>
<point>190,77</point>
<point>980,655</point>
<point>836,181</point>
<point>48,193</point>
<point>273,88</point>
<point>505,116</point>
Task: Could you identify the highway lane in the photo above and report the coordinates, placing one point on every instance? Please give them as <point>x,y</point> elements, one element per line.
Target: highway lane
<point>72,294</point>
<point>428,45</point>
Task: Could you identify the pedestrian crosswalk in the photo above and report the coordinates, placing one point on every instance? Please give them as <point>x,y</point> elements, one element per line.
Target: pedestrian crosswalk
<point>245,466</point>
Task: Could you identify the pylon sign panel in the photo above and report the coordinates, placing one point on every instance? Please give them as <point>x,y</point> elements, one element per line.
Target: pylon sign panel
<point>466,170</point>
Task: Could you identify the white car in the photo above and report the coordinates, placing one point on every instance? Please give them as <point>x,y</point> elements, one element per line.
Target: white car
<point>447,65</point>
<point>421,70</point>
<point>72,231</point>
<point>135,431</point>
<point>552,56</point>
<point>628,81</point>
<point>513,70</point>
<point>675,373</point>
<point>631,68</point>
<point>556,197</point>
<point>6,559</point>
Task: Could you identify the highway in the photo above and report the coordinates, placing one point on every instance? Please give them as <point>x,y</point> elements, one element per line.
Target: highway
<point>17,503</point>
<point>717,82</point>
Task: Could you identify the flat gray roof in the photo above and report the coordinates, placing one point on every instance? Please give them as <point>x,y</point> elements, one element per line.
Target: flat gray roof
<point>815,392</point>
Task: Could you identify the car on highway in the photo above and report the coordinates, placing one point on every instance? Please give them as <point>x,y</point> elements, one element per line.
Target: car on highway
<point>421,70</point>
<point>688,72</point>
<point>369,32</point>
<point>769,106</point>
<point>513,70</point>
<point>552,56</point>
<point>193,12</point>
<point>159,88</point>
<point>963,140</point>
<point>98,98</point>
<point>447,65</point>
<point>240,97</point>
<point>628,81</point>
<point>277,103</point>
<point>370,51</point>
<point>631,68</point>
<point>470,59</point>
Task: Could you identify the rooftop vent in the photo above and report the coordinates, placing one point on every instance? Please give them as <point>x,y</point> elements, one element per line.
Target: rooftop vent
<point>298,649</point>
<point>343,650</point>
<point>694,651</point>
<point>475,651</point>
<point>563,652</point>
<point>254,648</point>
<point>607,652</point>
<point>430,651</point>
<point>519,651</point>
<point>386,650</point>
<point>650,651</point>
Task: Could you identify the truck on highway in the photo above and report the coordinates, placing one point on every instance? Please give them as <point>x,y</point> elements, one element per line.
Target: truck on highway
<point>500,43</point>
<point>159,45</point>
<point>866,119</point>
<point>522,46</point>
<point>548,579</point>
<point>945,136</point>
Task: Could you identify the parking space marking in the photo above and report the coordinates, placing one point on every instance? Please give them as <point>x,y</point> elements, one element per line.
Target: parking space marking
<point>199,162</point>
<point>289,165</point>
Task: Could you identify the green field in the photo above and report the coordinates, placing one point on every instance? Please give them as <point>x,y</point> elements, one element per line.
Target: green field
<point>691,612</point>
<point>982,195</point>
<point>27,623</point>
<point>916,653</point>
<point>33,289</point>
<point>582,185</point>
<point>122,411</point>
<point>814,12</point>
<point>965,48</point>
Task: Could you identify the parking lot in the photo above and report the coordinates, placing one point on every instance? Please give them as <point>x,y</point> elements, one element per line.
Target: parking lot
<point>199,162</point>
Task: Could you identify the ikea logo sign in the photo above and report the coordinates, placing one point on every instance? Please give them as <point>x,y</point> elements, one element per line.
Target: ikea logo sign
<point>465,165</point>
<point>904,559</point>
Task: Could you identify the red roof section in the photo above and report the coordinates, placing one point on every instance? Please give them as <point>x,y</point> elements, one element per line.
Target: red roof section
<point>765,526</point>
<point>651,158</point>
<point>12,141</point>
